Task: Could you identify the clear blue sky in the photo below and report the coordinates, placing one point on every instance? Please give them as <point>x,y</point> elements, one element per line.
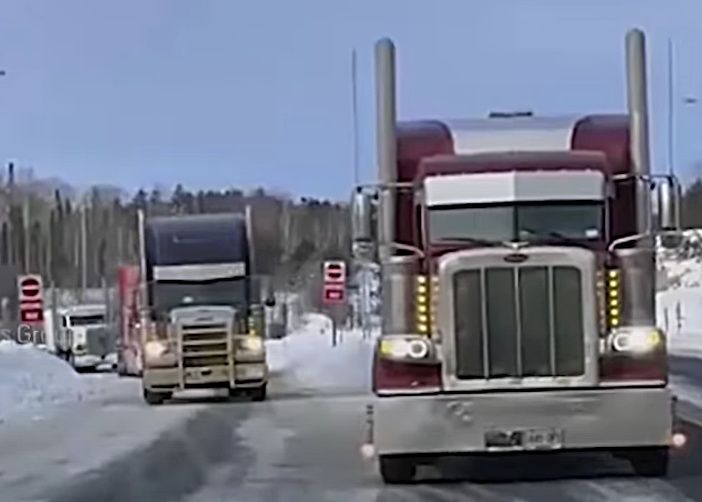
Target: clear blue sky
<point>215,93</point>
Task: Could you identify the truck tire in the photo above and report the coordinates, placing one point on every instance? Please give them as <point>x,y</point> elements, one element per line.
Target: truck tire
<point>397,470</point>
<point>259,394</point>
<point>650,462</point>
<point>155,398</point>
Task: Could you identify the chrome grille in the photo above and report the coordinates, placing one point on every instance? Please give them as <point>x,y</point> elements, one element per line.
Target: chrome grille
<point>204,344</point>
<point>520,321</point>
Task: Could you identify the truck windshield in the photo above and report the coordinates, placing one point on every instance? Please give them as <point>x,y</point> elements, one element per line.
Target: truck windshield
<point>524,222</point>
<point>169,295</point>
<point>86,320</point>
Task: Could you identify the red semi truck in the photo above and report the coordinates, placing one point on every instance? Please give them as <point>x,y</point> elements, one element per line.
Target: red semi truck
<point>129,355</point>
<point>518,283</point>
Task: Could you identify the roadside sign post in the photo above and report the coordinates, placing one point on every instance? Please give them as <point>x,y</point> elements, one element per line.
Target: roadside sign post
<point>31,306</point>
<point>334,293</point>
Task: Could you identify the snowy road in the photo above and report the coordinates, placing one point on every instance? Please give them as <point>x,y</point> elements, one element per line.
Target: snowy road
<point>299,447</point>
<point>302,444</point>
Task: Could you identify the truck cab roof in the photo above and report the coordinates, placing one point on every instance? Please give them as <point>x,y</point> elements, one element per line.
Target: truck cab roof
<point>512,161</point>
<point>528,135</point>
<point>85,310</point>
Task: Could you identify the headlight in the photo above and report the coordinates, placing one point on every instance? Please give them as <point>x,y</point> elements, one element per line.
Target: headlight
<point>155,349</point>
<point>77,336</point>
<point>405,347</point>
<point>640,340</point>
<point>251,344</point>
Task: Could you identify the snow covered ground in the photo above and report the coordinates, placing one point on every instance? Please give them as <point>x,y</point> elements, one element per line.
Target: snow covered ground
<point>33,381</point>
<point>309,358</point>
<point>680,315</point>
<point>679,306</point>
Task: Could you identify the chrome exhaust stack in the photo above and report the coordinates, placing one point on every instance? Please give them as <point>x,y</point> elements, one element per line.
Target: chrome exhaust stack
<point>638,265</point>
<point>386,123</point>
<point>637,99</point>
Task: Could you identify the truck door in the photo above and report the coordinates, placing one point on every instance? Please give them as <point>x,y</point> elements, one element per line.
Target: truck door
<point>65,335</point>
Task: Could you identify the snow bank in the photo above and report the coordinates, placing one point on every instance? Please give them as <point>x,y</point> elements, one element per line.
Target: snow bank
<point>679,313</point>
<point>31,379</point>
<point>308,357</point>
<point>679,307</point>
<point>682,266</point>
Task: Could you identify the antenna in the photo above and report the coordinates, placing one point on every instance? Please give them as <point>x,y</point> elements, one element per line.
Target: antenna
<point>354,110</point>
<point>671,109</point>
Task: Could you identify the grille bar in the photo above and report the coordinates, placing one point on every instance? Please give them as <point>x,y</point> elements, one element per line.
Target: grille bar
<point>483,325</point>
<point>551,322</point>
<point>204,345</point>
<point>518,315</point>
<point>518,322</point>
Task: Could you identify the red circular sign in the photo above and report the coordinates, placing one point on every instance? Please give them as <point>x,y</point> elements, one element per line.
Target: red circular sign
<point>31,287</point>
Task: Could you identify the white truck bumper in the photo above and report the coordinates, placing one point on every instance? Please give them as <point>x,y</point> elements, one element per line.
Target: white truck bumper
<point>87,361</point>
<point>586,419</point>
<point>247,375</point>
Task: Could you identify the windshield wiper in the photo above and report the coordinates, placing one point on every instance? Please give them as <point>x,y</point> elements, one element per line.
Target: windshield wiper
<point>553,235</point>
<point>470,240</point>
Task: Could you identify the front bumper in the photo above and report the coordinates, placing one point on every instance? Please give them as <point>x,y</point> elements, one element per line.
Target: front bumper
<point>87,361</point>
<point>457,423</point>
<point>246,375</point>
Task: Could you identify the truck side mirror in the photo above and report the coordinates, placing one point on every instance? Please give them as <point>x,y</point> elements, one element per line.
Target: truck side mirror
<point>669,204</point>
<point>362,226</point>
<point>361,216</point>
<point>669,200</point>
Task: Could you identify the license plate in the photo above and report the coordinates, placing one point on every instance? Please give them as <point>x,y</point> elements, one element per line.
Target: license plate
<point>198,374</point>
<point>524,439</point>
<point>543,439</point>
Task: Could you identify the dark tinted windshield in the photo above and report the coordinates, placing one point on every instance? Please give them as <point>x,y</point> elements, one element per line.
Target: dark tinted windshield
<point>528,221</point>
<point>86,320</point>
<point>169,295</point>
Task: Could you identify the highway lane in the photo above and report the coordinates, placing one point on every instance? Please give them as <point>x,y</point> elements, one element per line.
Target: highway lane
<point>304,445</point>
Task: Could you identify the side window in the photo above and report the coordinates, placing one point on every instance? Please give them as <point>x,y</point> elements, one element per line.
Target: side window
<point>64,321</point>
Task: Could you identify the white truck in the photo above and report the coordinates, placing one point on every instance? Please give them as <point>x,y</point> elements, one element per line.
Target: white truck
<point>81,335</point>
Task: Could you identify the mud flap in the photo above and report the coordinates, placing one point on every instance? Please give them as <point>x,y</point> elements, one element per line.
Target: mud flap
<point>368,447</point>
<point>678,438</point>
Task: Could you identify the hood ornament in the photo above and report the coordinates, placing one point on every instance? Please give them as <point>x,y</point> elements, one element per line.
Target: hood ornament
<point>516,256</point>
<point>516,245</point>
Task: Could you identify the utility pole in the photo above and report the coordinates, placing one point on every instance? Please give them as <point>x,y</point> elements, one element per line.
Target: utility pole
<point>26,237</point>
<point>83,252</point>
<point>50,250</point>
<point>13,231</point>
<point>671,109</point>
<point>354,111</point>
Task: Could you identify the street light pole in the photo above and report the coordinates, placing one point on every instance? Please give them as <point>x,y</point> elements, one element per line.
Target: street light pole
<point>83,252</point>
<point>27,227</point>
<point>671,110</point>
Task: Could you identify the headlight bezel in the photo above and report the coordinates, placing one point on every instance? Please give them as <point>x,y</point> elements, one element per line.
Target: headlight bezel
<point>636,340</point>
<point>407,348</point>
<point>249,345</point>
<point>252,344</point>
<point>156,349</point>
